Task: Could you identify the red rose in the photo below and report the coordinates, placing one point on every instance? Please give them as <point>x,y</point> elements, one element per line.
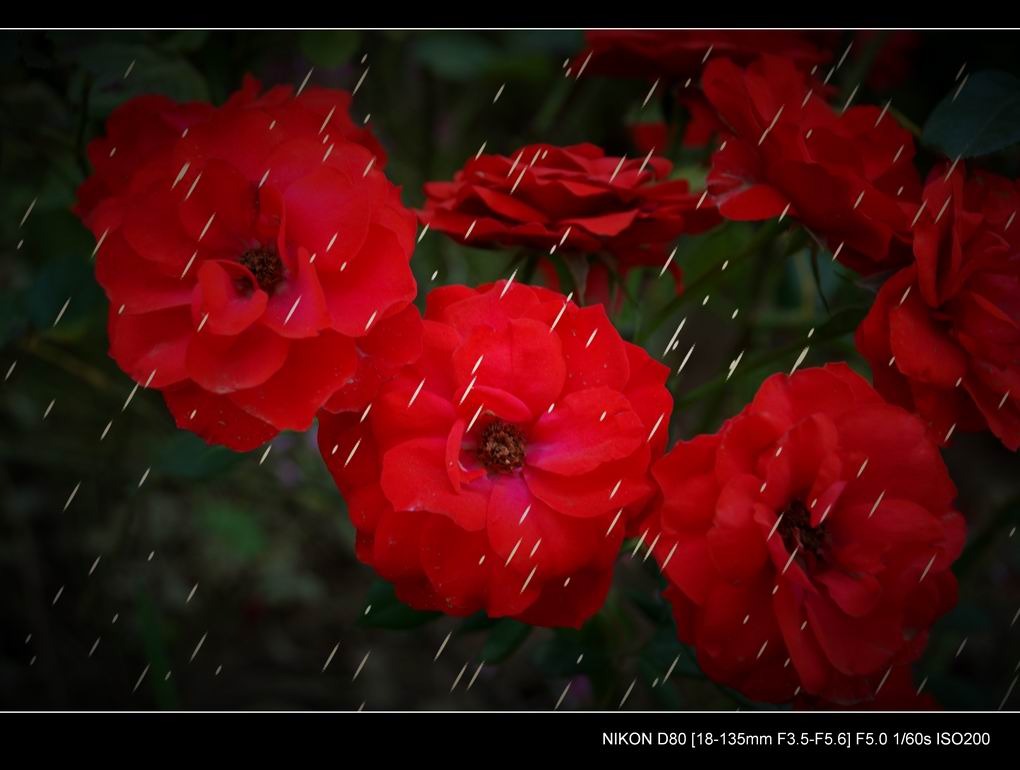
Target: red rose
<point>574,200</point>
<point>135,131</point>
<point>650,136</point>
<point>894,690</point>
<point>324,111</point>
<point>678,54</point>
<point>500,471</point>
<point>807,544</point>
<point>847,176</point>
<point>943,337</point>
<point>251,261</point>
<point>702,123</point>
<point>147,126</point>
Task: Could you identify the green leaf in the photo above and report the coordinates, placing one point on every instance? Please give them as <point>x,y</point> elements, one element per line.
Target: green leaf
<point>551,42</point>
<point>10,316</point>
<point>55,230</point>
<point>664,653</point>
<point>980,118</point>
<point>477,622</point>
<point>34,103</point>
<point>563,273</point>
<point>154,633</point>
<point>119,72</point>
<point>817,275</point>
<point>578,266</point>
<point>652,605</point>
<point>507,635</point>
<point>570,652</point>
<point>387,611</point>
<point>842,322</point>
<point>966,619</point>
<point>328,48</point>
<point>238,529</point>
<point>64,279</point>
<point>455,55</point>
<point>1006,517</point>
<point>185,41</point>
<point>186,456</point>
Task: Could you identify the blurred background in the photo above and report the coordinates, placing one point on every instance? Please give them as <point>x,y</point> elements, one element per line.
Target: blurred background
<point>185,576</point>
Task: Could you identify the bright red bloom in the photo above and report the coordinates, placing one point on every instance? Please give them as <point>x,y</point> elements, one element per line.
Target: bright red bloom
<point>252,258</point>
<point>135,131</point>
<point>809,541</point>
<point>677,54</point>
<point>943,336</point>
<point>848,176</point>
<point>571,201</point>
<point>500,471</point>
<point>147,126</point>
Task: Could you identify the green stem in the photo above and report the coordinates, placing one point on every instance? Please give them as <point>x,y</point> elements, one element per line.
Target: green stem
<point>764,235</point>
<point>51,354</point>
<point>906,122</point>
<point>1007,517</point>
<point>759,271</point>
<point>860,67</point>
<point>530,265</point>
<point>756,363</point>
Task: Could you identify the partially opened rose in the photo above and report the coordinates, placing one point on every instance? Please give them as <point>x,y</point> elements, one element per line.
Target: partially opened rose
<point>943,336</point>
<point>846,175</point>
<point>500,471</point>
<point>575,201</point>
<point>253,255</point>
<point>807,545</point>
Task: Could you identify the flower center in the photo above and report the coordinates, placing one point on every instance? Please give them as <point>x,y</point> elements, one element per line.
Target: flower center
<point>798,534</point>
<point>265,264</point>
<point>501,447</point>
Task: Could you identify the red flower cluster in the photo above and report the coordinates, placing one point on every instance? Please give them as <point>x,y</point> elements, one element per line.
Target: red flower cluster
<point>943,337</point>
<point>847,176</point>
<point>253,255</point>
<point>570,200</point>
<point>494,456</point>
<point>678,54</point>
<point>500,471</point>
<point>807,544</point>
